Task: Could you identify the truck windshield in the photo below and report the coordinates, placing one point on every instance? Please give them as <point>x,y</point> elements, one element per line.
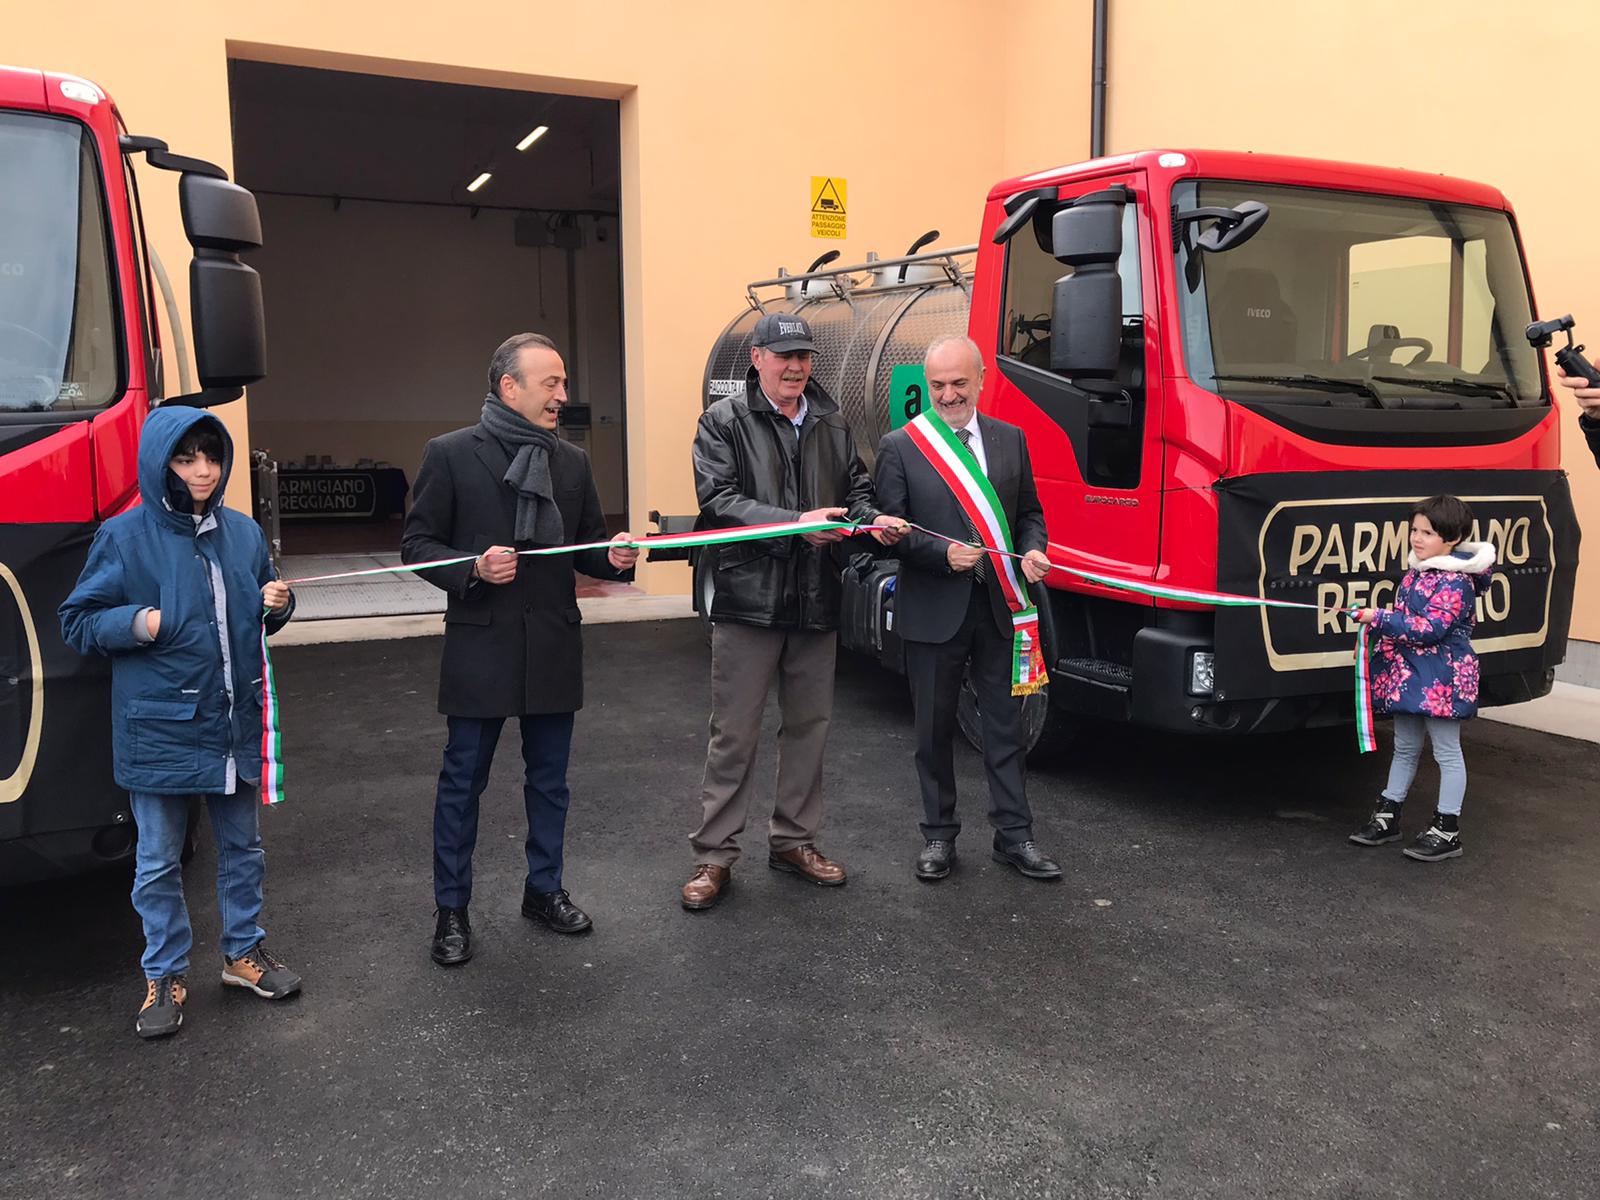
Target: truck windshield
<point>1351,300</point>
<point>59,342</point>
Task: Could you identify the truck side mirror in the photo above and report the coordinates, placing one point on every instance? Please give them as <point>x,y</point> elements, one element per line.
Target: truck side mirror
<point>1086,306</point>
<point>221,221</point>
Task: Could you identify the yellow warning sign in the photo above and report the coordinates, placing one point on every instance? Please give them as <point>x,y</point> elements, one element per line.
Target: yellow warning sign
<point>827,206</point>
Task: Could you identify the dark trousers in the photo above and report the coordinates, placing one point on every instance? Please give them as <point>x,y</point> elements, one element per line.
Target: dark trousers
<point>546,741</point>
<point>935,671</point>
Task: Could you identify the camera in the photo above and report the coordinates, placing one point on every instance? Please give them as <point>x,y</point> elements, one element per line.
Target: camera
<point>1569,358</point>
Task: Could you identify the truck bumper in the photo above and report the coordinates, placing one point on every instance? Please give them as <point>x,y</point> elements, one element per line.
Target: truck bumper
<point>1159,698</point>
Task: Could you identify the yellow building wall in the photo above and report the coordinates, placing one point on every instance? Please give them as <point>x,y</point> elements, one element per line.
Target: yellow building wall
<point>1479,89</point>
<point>728,109</point>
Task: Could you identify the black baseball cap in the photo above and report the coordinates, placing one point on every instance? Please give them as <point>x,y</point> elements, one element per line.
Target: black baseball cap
<point>782,333</point>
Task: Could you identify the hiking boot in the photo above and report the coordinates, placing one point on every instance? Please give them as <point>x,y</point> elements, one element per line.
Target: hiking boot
<point>1443,840</point>
<point>162,1013</point>
<point>1382,826</point>
<point>261,973</point>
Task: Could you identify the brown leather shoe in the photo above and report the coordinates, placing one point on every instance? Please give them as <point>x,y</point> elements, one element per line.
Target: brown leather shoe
<point>807,863</point>
<point>705,886</point>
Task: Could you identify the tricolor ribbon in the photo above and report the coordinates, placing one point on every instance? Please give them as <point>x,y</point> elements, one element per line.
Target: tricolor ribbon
<point>272,736</point>
<point>1027,660</point>
<point>1365,740</point>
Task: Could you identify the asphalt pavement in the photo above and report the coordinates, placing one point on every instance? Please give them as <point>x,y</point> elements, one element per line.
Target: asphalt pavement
<point>1222,999</point>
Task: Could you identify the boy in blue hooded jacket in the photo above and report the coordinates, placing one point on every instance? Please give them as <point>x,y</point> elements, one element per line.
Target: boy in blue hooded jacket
<point>174,593</point>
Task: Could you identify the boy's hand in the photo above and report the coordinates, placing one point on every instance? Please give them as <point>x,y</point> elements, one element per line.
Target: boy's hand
<point>275,595</point>
<point>152,622</point>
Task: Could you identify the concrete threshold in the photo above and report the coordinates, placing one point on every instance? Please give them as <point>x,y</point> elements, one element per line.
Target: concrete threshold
<point>1568,711</point>
<point>597,610</point>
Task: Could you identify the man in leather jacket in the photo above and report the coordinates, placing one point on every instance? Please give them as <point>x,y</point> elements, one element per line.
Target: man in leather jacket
<point>779,451</point>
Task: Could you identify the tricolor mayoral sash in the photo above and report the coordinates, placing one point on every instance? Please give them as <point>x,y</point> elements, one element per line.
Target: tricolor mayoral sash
<point>960,471</point>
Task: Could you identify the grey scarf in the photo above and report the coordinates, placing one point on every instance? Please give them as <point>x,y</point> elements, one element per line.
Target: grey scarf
<point>538,518</point>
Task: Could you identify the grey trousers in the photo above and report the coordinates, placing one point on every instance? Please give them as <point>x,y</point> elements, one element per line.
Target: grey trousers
<point>1409,729</point>
<point>744,660</point>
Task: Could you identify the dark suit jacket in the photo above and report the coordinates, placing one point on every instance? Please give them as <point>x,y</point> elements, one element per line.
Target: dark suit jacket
<point>515,648</point>
<point>930,598</point>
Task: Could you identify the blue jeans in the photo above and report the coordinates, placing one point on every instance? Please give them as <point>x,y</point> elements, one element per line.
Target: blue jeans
<point>546,743</point>
<point>162,821</point>
<point>1445,734</point>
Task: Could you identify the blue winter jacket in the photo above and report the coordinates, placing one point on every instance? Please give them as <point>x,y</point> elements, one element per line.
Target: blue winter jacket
<point>173,726</point>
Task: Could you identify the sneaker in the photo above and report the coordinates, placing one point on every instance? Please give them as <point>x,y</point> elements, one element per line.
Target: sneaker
<point>1443,840</point>
<point>261,973</point>
<point>1382,826</point>
<point>162,1013</point>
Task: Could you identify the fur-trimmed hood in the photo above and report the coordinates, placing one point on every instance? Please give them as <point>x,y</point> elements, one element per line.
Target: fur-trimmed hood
<point>1470,558</point>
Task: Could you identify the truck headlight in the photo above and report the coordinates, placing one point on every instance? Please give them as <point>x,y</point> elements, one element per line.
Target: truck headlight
<point>1202,673</point>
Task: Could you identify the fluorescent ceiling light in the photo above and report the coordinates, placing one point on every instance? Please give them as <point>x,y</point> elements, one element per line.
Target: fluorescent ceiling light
<point>479,182</point>
<point>533,137</point>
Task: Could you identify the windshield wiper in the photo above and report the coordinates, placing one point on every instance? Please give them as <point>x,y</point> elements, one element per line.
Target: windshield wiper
<point>1459,387</point>
<point>1321,383</point>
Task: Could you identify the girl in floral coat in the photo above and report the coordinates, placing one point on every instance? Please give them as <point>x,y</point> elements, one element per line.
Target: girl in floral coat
<point>1425,673</point>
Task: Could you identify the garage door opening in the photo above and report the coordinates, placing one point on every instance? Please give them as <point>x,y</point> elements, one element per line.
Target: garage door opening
<point>409,227</point>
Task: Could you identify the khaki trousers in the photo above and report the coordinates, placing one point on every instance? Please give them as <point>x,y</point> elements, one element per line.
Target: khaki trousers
<point>744,659</point>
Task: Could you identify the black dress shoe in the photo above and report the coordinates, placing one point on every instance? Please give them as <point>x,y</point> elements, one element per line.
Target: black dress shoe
<point>556,910</point>
<point>1029,859</point>
<point>452,938</point>
<point>936,859</point>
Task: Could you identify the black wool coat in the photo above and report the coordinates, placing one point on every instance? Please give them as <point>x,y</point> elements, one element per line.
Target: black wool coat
<point>512,649</point>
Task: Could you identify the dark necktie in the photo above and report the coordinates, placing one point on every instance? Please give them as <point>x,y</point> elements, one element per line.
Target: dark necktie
<point>980,573</point>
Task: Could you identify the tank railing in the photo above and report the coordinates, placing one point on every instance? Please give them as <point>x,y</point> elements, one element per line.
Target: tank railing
<point>943,258</point>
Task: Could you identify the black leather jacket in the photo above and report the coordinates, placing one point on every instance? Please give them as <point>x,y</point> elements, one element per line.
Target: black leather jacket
<point>746,472</point>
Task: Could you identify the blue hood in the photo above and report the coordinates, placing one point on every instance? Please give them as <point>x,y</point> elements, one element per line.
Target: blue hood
<point>163,430</point>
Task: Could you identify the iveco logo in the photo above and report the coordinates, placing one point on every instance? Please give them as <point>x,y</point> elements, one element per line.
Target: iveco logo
<point>1260,314</point>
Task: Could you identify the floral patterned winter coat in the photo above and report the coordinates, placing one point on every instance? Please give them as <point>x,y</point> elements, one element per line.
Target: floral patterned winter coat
<point>1423,660</point>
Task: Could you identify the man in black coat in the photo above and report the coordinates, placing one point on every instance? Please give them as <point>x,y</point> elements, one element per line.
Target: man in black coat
<point>778,451</point>
<point>1588,399</point>
<point>512,642</point>
<point>951,614</point>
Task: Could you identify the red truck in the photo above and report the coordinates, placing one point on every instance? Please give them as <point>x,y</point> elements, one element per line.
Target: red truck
<point>1236,372</point>
<point>80,366</point>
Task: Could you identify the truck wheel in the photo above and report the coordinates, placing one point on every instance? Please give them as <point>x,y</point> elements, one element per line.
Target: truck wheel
<point>1045,729</point>
<point>705,589</point>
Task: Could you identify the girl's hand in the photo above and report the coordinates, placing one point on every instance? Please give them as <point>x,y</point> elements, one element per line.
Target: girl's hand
<point>1366,616</point>
<point>275,595</point>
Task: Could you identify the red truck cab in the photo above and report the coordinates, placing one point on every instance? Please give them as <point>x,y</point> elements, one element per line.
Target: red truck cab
<point>1236,372</point>
<point>80,366</point>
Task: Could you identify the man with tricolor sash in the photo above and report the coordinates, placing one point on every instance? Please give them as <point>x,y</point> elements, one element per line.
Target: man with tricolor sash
<point>779,451</point>
<point>964,481</point>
